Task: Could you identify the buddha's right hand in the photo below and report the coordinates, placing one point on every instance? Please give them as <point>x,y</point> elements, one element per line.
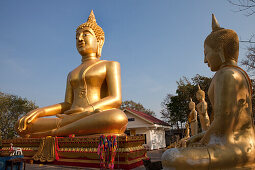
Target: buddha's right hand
<point>28,118</point>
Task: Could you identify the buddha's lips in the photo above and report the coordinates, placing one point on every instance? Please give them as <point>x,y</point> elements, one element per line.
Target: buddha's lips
<point>81,45</point>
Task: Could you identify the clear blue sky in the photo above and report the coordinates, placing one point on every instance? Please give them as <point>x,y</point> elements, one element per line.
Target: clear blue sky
<point>156,43</point>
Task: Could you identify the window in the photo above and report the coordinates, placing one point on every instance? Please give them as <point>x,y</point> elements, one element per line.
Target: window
<point>131,119</point>
<point>127,132</point>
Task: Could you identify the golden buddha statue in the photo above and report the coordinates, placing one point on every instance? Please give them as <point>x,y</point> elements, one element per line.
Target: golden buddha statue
<point>202,109</point>
<point>93,95</point>
<point>229,142</point>
<point>193,118</point>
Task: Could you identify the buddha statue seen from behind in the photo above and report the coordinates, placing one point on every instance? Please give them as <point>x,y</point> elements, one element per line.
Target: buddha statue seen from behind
<point>229,142</point>
<point>93,94</point>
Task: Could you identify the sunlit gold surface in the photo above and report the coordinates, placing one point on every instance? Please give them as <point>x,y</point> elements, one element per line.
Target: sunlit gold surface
<point>202,109</point>
<point>230,141</point>
<point>193,118</point>
<point>93,94</point>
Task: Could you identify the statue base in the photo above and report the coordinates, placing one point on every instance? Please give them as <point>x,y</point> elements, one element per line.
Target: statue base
<point>79,151</point>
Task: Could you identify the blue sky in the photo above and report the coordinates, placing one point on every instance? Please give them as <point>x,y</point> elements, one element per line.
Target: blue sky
<point>156,43</point>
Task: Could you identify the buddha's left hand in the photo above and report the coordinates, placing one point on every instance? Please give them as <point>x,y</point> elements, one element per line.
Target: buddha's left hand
<point>28,118</point>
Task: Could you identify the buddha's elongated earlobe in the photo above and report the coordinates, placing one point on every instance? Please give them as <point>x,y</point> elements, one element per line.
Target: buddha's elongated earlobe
<point>99,48</point>
<point>222,56</point>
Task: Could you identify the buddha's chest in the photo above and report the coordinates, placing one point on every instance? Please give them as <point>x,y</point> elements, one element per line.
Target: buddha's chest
<point>202,107</point>
<point>92,75</point>
<point>199,107</point>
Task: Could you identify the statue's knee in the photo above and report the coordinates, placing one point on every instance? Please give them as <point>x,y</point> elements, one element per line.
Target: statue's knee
<point>116,120</point>
<point>120,117</point>
<point>186,158</point>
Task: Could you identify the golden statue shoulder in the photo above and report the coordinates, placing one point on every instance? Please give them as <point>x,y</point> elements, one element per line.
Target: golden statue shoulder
<point>231,73</point>
<point>111,63</point>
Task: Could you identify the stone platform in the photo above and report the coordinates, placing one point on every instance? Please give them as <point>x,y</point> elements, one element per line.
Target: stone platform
<point>80,151</point>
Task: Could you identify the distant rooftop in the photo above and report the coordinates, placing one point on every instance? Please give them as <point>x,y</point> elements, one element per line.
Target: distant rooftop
<point>148,117</point>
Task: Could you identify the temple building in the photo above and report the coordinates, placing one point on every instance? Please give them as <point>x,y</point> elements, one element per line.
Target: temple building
<point>140,123</point>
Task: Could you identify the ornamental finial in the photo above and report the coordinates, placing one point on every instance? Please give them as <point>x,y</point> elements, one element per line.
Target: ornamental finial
<point>198,87</point>
<point>215,24</point>
<point>91,17</point>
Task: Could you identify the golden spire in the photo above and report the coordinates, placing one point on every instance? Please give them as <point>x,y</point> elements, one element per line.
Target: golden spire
<point>91,17</point>
<point>198,87</point>
<point>215,24</point>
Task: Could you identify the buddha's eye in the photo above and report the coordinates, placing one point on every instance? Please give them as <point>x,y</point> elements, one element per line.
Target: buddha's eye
<point>84,35</point>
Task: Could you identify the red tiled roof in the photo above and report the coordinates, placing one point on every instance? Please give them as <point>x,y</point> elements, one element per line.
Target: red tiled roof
<point>148,117</point>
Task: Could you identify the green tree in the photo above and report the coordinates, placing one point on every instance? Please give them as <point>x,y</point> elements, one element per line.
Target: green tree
<point>136,106</point>
<point>175,109</point>
<point>12,107</point>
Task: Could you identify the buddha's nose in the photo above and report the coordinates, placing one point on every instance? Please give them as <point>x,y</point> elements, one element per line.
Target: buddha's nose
<point>80,37</point>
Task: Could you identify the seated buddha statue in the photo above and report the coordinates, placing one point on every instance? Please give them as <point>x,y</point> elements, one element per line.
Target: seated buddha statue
<point>92,98</point>
<point>229,142</point>
<point>202,109</point>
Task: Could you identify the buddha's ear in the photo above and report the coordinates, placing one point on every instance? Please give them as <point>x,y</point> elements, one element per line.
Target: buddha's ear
<point>221,54</point>
<point>100,44</point>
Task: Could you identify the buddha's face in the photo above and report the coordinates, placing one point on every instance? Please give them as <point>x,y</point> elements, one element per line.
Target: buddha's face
<point>212,57</point>
<point>191,106</point>
<point>199,96</point>
<point>86,42</point>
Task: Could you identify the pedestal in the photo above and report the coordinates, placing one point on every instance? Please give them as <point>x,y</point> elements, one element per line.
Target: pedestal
<point>82,151</point>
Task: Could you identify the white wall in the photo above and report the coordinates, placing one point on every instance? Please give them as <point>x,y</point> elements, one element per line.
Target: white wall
<point>138,121</point>
<point>155,138</point>
<point>147,133</point>
<point>158,139</point>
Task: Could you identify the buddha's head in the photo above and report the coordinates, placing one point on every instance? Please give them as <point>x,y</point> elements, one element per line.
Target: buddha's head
<point>221,46</point>
<point>191,104</point>
<point>90,37</point>
<point>200,95</point>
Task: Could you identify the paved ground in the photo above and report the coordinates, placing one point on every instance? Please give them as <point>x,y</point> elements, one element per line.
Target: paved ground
<point>155,155</point>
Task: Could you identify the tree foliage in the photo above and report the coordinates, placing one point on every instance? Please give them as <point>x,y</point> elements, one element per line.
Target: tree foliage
<point>249,60</point>
<point>165,112</point>
<point>136,106</point>
<point>12,107</point>
<point>175,109</point>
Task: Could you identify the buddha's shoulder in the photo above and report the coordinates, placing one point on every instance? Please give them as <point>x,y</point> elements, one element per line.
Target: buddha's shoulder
<point>229,73</point>
<point>110,63</point>
<point>107,61</point>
